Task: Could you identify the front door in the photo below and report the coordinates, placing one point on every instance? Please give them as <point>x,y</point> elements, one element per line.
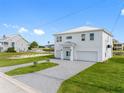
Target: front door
<point>67,55</point>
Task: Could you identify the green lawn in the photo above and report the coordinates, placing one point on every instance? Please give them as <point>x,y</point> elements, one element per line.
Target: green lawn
<point>4,61</point>
<point>100,78</point>
<point>30,69</point>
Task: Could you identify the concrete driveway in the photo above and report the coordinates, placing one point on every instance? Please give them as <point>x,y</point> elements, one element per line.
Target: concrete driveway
<point>49,80</point>
<point>10,85</point>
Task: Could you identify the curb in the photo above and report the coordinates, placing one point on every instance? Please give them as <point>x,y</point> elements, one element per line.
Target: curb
<point>23,86</point>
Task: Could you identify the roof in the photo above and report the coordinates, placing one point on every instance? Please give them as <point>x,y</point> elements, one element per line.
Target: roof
<point>83,29</point>
<point>5,38</point>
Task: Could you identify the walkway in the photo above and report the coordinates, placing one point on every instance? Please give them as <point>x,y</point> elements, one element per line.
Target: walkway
<point>8,68</point>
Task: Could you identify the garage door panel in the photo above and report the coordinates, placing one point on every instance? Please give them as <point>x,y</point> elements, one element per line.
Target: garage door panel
<point>87,55</point>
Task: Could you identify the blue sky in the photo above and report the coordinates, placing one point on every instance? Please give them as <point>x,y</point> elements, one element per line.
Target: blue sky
<point>39,19</point>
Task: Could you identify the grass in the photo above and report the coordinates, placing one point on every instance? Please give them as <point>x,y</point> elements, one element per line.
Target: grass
<point>118,51</point>
<point>30,69</point>
<point>10,62</point>
<point>100,78</point>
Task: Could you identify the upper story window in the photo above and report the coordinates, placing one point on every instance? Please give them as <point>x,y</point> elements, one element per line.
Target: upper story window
<point>69,37</point>
<point>91,36</point>
<point>5,43</point>
<point>59,39</point>
<point>1,43</point>
<point>13,44</point>
<point>83,37</point>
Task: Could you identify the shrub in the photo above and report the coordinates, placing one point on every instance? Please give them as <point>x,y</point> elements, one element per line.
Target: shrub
<point>41,47</point>
<point>48,49</point>
<point>29,48</point>
<point>11,49</point>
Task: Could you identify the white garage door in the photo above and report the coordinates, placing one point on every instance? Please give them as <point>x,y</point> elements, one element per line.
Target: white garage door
<point>87,55</point>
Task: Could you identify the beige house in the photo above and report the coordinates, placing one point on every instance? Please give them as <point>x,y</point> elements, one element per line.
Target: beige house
<point>117,45</point>
<point>16,41</point>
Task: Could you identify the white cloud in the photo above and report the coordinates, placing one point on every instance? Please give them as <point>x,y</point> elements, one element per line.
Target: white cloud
<point>22,30</point>
<point>10,26</point>
<point>88,23</point>
<point>14,26</point>
<point>122,12</point>
<point>6,25</point>
<point>38,32</point>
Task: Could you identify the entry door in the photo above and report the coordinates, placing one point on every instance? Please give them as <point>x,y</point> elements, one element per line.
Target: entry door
<point>68,54</point>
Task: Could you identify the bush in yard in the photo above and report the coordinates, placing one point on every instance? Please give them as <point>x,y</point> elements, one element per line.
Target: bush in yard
<point>29,48</point>
<point>48,49</point>
<point>41,47</point>
<point>11,49</point>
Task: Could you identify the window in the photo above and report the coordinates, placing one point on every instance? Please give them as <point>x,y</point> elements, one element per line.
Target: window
<point>59,39</point>
<point>69,37</point>
<point>5,43</point>
<point>83,37</point>
<point>13,44</point>
<point>91,36</point>
<point>1,43</point>
<point>68,53</point>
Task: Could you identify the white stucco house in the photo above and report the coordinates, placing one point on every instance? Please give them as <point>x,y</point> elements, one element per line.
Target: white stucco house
<point>84,44</point>
<point>16,41</point>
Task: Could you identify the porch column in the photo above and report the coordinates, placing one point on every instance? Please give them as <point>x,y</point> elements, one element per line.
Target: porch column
<point>62,57</point>
<point>72,53</point>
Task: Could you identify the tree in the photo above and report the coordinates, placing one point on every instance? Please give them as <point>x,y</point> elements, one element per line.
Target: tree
<point>34,44</point>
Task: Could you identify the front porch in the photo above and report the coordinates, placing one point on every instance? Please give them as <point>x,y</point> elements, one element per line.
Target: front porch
<point>67,51</point>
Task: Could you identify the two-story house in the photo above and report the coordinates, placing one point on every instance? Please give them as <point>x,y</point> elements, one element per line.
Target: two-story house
<point>84,44</point>
<point>16,41</point>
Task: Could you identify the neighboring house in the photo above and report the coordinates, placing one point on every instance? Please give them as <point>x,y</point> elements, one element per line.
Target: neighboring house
<point>49,46</point>
<point>16,41</point>
<point>117,45</point>
<point>84,43</point>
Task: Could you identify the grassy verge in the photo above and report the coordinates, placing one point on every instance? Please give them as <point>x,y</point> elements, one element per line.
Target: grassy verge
<point>7,55</point>
<point>30,69</point>
<point>99,78</point>
<point>11,62</point>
